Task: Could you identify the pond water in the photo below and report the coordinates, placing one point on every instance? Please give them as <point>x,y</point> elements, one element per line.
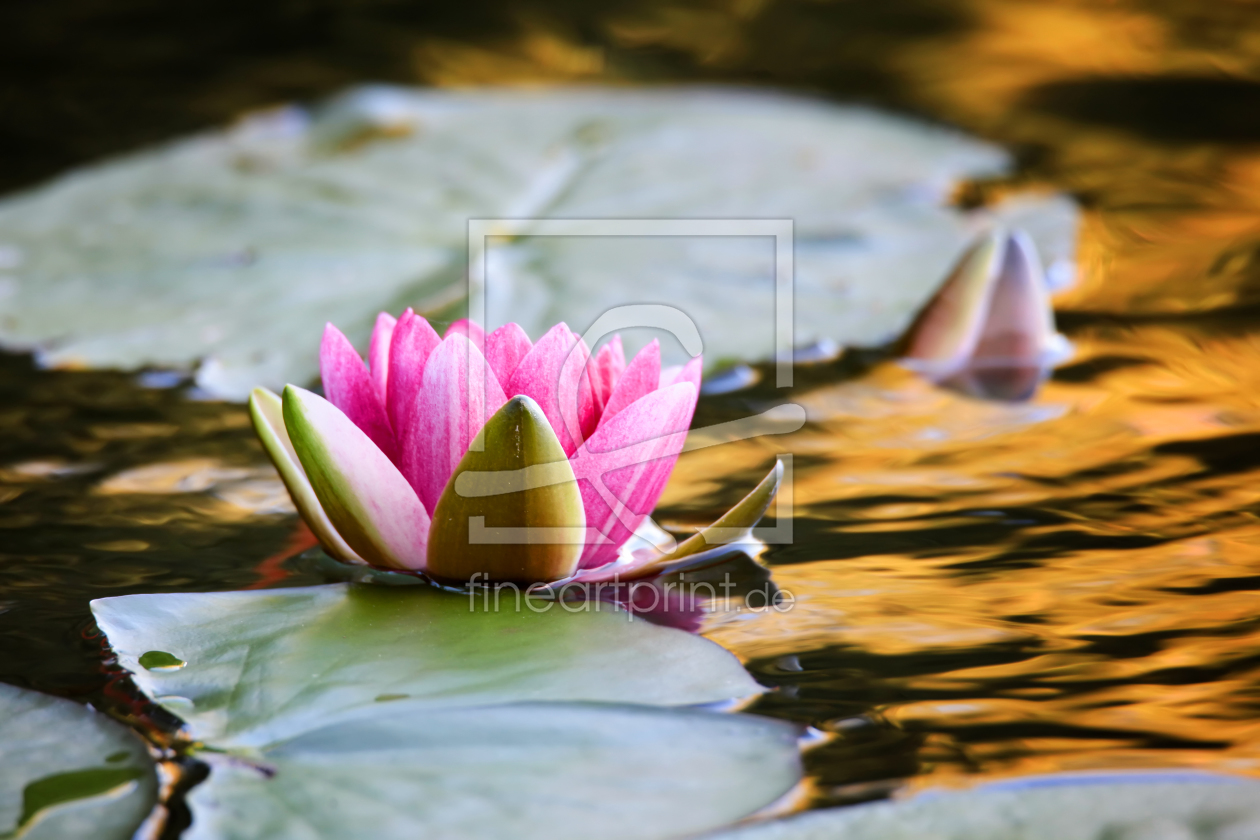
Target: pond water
<point>982,589</point>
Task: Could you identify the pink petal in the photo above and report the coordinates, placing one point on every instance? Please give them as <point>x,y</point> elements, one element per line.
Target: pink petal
<point>505,347</point>
<point>610,363</point>
<point>413,341</point>
<point>587,412</point>
<point>365,497</point>
<point>683,373</point>
<point>642,376</point>
<point>378,351</point>
<point>469,330</point>
<point>634,454</point>
<point>554,375</point>
<point>348,386</point>
<point>451,407</point>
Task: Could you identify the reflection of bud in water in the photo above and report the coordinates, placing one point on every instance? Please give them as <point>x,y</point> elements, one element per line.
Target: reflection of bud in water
<point>990,330</point>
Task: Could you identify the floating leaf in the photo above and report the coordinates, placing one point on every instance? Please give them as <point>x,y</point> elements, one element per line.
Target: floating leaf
<point>66,771</point>
<point>233,248</point>
<point>1108,806</point>
<point>394,712</point>
<point>552,771</point>
<point>265,665</point>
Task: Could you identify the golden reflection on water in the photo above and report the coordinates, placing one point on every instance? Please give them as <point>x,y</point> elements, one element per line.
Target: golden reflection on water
<point>1101,541</point>
<point>982,588</point>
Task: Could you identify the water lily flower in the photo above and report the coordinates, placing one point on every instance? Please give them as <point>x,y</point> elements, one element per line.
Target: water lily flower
<point>990,330</point>
<point>490,456</point>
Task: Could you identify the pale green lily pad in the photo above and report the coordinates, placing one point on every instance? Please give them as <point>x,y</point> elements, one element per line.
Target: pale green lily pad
<point>396,712</point>
<point>265,665</point>
<point>231,249</point>
<point>67,771</point>
<point>550,771</point>
<point>1120,806</point>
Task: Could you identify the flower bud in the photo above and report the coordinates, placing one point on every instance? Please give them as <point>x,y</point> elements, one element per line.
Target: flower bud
<point>512,510</point>
<point>990,330</point>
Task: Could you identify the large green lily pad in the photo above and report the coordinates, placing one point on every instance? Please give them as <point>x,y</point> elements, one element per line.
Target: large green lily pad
<point>67,771</point>
<point>1120,806</point>
<point>550,771</point>
<point>245,669</point>
<point>229,250</point>
<point>396,712</point>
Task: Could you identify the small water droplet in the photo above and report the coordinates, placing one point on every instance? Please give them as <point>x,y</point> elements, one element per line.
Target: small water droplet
<point>160,660</point>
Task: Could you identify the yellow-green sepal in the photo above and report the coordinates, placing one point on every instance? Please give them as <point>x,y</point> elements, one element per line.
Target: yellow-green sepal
<point>512,510</point>
<point>267,413</point>
<point>366,498</point>
<point>737,523</point>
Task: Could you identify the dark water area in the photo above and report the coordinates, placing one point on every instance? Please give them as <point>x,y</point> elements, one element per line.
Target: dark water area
<point>982,589</point>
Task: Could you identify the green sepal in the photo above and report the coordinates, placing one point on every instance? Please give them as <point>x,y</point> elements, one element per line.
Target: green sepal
<point>512,510</point>
<point>267,412</point>
<point>734,525</point>
<point>366,498</point>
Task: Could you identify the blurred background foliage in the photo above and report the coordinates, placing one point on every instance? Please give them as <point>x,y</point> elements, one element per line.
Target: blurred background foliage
<point>1146,109</point>
<point>93,77</point>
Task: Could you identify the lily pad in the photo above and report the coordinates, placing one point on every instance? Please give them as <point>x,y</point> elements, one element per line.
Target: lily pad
<point>1109,806</point>
<point>262,666</point>
<point>396,712</point>
<point>549,771</point>
<point>229,250</point>
<point>66,771</point>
